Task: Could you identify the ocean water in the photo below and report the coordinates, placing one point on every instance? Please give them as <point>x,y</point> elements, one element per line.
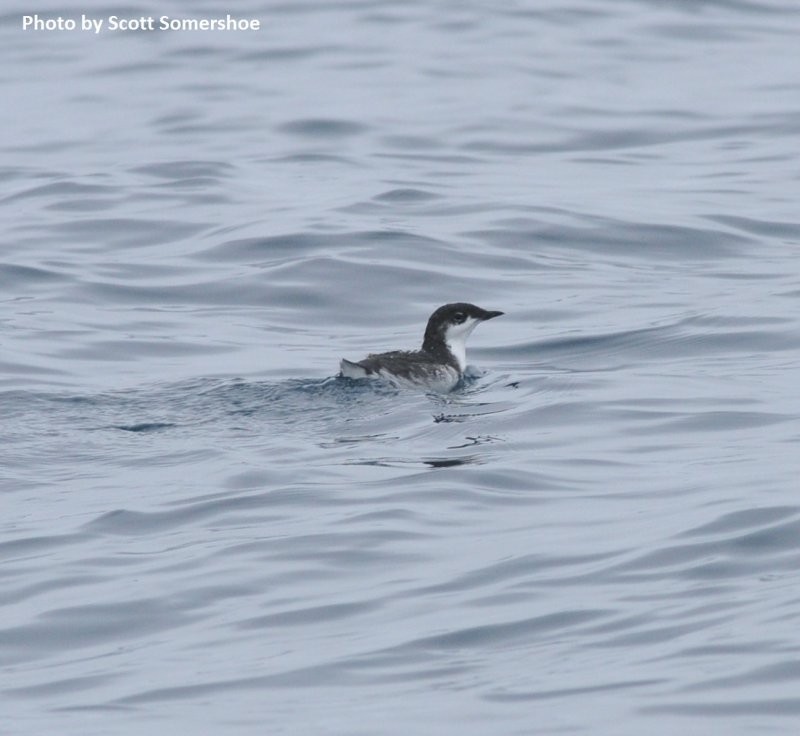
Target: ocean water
<point>204,530</point>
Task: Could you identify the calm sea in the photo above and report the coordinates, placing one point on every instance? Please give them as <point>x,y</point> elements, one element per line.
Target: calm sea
<point>204,531</point>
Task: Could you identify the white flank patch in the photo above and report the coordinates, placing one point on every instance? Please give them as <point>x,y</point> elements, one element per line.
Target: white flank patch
<point>352,370</point>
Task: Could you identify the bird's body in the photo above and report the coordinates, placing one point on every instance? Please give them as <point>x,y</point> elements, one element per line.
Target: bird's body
<point>439,364</point>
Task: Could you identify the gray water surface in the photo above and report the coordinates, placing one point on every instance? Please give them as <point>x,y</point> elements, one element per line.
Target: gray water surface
<point>205,531</point>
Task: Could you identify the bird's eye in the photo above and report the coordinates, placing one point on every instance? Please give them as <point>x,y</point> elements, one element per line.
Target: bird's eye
<point>459,317</point>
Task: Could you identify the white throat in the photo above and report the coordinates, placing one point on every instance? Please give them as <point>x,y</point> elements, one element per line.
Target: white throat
<point>456,341</point>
